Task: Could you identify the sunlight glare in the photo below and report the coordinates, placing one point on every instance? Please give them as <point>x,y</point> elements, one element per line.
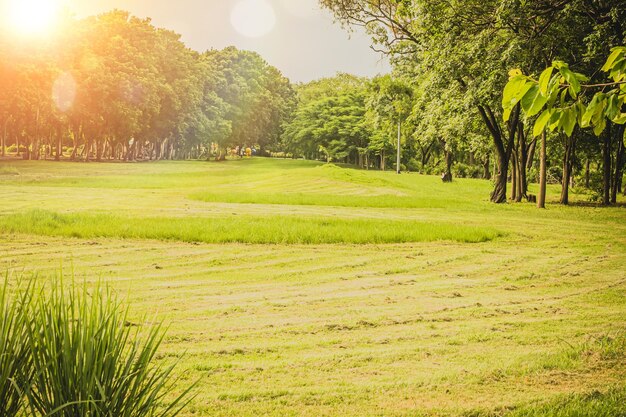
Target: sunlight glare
<point>253,18</point>
<point>30,17</point>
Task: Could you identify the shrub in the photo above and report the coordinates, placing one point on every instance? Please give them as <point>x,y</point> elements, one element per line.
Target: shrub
<point>74,353</point>
<point>13,148</point>
<point>462,170</point>
<point>15,358</point>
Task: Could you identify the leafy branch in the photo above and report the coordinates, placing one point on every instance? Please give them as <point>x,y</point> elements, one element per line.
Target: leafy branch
<point>558,97</point>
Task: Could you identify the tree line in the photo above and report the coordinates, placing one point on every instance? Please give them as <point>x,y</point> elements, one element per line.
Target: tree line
<point>114,87</point>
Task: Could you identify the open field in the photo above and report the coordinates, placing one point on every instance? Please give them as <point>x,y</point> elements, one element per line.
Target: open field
<point>293,288</point>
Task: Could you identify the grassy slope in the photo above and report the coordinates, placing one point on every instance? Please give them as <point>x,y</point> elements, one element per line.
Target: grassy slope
<point>421,328</point>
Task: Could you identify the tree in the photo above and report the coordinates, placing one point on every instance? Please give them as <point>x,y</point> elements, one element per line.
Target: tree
<point>390,104</point>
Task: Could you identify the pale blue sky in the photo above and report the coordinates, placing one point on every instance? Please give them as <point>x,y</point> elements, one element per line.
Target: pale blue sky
<point>304,43</point>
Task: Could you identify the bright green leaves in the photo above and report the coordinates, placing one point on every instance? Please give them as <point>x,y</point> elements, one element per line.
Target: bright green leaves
<point>541,122</point>
<point>533,101</point>
<point>569,77</point>
<point>616,65</point>
<point>514,92</point>
<point>568,120</point>
<point>559,97</point>
<point>545,81</point>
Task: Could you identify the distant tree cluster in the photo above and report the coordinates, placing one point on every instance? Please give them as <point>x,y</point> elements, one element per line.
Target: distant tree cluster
<point>357,121</point>
<point>116,87</point>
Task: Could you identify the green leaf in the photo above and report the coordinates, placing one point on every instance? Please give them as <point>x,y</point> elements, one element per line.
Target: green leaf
<point>574,84</point>
<point>599,128</point>
<point>620,119</point>
<point>613,107</point>
<point>538,103</point>
<point>595,106</point>
<point>541,122</point>
<point>568,120</point>
<point>515,89</point>
<point>617,72</point>
<point>544,81</point>
<point>582,109</point>
<point>581,77</point>
<point>529,97</point>
<point>507,114</point>
<point>616,53</point>
<point>555,119</point>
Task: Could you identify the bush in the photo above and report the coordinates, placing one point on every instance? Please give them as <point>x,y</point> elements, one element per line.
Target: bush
<point>13,148</point>
<point>79,356</point>
<point>461,170</point>
<point>15,358</point>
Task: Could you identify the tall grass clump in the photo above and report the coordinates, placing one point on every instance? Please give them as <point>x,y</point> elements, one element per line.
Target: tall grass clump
<point>256,229</point>
<point>15,357</point>
<point>69,352</point>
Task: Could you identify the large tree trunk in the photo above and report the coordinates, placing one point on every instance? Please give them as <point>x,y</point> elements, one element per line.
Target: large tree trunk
<point>514,180</point>
<point>449,158</point>
<point>522,158</point>
<point>503,150</point>
<point>606,165</point>
<point>588,173</point>
<point>568,165</point>
<point>530,159</point>
<point>619,164</point>
<point>541,198</point>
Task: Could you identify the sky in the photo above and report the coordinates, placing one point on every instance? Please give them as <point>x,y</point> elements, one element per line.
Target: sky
<point>296,36</point>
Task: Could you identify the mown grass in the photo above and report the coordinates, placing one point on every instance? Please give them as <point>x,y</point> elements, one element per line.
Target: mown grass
<point>531,321</point>
<point>258,229</point>
<point>611,403</point>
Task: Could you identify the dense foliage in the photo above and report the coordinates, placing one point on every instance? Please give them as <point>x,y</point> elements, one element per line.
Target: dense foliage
<point>459,53</point>
<point>116,87</point>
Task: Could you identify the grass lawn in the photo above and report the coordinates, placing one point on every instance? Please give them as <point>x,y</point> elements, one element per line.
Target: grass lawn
<point>293,288</point>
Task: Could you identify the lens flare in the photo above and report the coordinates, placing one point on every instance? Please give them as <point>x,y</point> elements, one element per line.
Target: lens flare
<point>64,92</point>
<point>253,18</point>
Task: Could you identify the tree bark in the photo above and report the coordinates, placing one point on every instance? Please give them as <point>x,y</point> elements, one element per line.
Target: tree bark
<point>531,154</point>
<point>503,150</point>
<point>514,180</point>
<point>568,165</point>
<point>619,165</point>
<point>606,165</point>
<point>541,198</point>
<point>399,156</point>
<point>449,158</point>
<point>521,157</point>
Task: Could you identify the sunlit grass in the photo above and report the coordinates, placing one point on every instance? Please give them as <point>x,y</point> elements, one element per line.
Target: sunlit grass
<point>258,229</point>
<point>530,321</point>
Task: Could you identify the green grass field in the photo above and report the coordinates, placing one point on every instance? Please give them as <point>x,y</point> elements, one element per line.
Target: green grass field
<point>293,288</point>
